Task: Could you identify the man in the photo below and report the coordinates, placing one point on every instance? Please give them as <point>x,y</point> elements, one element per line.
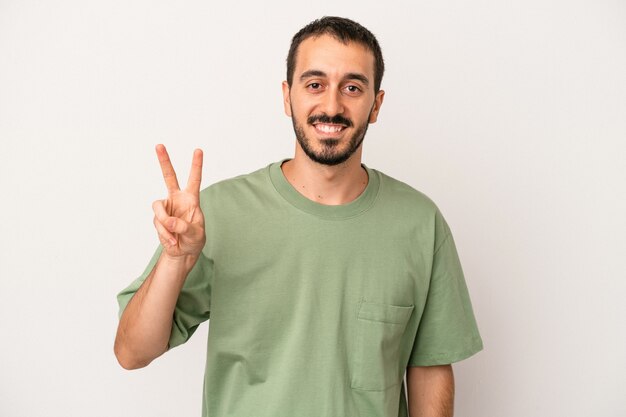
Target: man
<point>324,279</point>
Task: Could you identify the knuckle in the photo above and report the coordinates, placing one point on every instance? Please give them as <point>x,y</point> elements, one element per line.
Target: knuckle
<point>157,222</point>
<point>157,205</point>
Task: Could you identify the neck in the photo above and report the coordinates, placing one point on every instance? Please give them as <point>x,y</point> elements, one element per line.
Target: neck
<point>326,184</point>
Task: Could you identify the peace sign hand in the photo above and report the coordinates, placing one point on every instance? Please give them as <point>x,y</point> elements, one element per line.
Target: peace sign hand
<point>178,219</point>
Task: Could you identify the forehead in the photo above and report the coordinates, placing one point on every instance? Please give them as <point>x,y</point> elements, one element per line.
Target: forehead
<point>327,54</point>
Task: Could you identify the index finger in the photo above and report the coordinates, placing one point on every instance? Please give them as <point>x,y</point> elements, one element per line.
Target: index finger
<point>169,175</point>
<point>195,175</point>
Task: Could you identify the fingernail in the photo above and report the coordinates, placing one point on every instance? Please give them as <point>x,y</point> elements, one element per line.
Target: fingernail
<point>172,241</point>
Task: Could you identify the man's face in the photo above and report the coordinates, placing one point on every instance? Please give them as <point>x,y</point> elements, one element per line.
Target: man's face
<point>331,100</point>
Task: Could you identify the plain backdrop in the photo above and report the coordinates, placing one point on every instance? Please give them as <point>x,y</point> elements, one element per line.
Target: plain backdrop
<point>510,115</point>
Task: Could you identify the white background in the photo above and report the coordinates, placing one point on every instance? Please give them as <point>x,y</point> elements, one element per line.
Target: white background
<point>511,115</point>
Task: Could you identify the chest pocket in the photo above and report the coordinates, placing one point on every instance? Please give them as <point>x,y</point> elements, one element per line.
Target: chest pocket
<point>376,360</point>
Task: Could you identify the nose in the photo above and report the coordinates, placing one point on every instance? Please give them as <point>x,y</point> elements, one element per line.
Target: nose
<point>333,103</point>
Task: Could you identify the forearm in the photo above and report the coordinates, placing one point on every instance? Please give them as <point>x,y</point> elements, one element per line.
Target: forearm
<point>146,323</point>
<point>430,391</point>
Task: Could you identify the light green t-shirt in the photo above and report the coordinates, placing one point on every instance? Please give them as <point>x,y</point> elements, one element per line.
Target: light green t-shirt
<point>317,310</point>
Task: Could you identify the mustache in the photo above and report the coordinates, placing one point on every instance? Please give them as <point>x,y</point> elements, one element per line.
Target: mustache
<point>336,119</point>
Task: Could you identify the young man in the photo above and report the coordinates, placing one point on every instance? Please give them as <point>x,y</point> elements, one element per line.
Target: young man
<point>324,279</point>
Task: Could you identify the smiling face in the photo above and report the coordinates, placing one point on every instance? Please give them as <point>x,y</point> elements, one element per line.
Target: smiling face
<point>331,100</point>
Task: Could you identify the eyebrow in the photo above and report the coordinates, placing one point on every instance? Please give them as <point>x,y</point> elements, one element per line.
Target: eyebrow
<point>349,76</point>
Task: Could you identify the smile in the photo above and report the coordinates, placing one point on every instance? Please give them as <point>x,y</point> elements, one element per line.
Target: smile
<point>328,128</point>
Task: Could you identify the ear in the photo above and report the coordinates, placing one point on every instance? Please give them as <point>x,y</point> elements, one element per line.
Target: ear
<point>286,98</point>
<point>378,102</point>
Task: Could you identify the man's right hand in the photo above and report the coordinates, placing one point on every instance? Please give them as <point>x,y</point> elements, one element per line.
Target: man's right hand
<point>178,219</point>
<point>146,323</point>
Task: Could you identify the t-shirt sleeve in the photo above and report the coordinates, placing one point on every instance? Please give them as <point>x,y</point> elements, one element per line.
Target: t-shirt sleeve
<point>447,331</point>
<point>194,302</point>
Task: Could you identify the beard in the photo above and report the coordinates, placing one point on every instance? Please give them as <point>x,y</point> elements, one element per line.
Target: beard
<point>331,152</point>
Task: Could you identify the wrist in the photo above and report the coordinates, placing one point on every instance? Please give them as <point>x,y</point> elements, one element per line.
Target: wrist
<point>181,262</point>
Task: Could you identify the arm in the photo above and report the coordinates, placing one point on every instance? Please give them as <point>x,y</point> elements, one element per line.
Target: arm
<point>430,391</point>
<point>144,328</point>
<point>145,325</point>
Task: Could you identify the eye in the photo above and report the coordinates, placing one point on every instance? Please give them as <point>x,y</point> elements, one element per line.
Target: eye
<point>353,89</point>
<point>314,86</point>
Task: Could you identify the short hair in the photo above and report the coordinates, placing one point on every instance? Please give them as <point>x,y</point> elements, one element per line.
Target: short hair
<point>345,31</point>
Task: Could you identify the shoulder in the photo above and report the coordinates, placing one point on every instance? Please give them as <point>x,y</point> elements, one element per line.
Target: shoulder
<point>236,186</point>
<point>397,192</point>
<point>411,206</point>
<point>245,195</point>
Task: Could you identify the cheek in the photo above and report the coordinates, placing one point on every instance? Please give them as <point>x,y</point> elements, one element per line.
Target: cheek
<point>300,110</point>
<point>365,112</point>
<point>304,102</point>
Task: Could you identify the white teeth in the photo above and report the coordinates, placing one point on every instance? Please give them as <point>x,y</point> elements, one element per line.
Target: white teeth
<point>328,128</point>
